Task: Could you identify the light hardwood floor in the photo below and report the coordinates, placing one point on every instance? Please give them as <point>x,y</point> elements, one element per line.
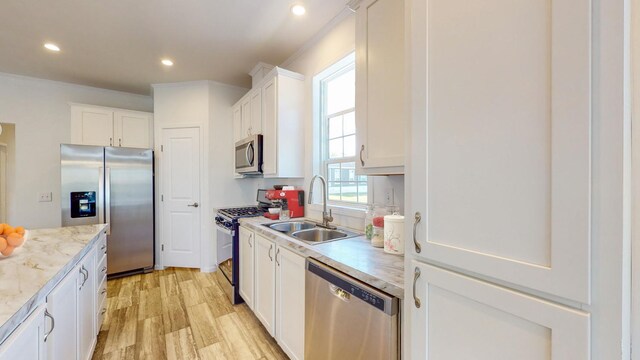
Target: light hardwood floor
<point>179,314</point>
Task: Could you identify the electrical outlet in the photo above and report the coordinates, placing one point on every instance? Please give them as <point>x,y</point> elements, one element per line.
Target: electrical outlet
<point>45,197</point>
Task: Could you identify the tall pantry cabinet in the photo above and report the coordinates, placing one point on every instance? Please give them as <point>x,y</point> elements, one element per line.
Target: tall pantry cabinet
<point>499,178</point>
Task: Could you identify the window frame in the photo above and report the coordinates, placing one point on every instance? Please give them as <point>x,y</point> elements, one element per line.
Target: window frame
<point>334,71</point>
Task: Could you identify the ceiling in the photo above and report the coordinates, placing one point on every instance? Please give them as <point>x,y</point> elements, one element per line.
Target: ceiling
<point>118,44</point>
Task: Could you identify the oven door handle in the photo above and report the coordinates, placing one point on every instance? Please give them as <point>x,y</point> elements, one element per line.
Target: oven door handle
<point>225,230</point>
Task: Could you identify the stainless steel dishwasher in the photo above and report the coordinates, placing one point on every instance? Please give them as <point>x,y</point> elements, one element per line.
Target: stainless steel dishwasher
<point>347,319</point>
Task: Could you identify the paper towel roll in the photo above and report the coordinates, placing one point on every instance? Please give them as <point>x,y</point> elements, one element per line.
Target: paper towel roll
<point>394,234</point>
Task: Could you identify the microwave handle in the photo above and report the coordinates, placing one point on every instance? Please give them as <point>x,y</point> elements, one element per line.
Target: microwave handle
<point>249,154</point>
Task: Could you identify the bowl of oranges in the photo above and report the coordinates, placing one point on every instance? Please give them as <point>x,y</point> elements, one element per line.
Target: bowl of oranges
<point>11,238</point>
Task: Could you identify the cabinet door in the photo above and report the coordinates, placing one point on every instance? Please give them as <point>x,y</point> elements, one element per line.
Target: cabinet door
<point>290,305</point>
<point>86,306</point>
<point>269,130</point>
<point>246,116</point>
<point>237,124</point>
<point>256,112</point>
<point>62,304</point>
<point>91,126</point>
<point>463,318</point>
<point>501,144</point>
<point>380,86</point>
<point>133,129</point>
<point>265,283</point>
<point>246,242</point>
<point>27,341</point>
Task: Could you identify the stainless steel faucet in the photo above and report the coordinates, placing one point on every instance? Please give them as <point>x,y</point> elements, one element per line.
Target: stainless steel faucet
<point>326,216</point>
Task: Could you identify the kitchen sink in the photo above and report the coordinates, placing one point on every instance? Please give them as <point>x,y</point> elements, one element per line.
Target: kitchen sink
<point>310,232</point>
<point>319,235</point>
<point>292,226</point>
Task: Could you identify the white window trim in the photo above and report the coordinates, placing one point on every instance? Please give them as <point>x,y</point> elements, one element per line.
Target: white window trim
<point>340,208</point>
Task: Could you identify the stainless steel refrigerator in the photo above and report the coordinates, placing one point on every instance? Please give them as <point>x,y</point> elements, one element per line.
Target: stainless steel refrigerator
<point>112,185</point>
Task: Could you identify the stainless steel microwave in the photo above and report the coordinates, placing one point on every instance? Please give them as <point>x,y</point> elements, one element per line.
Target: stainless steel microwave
<point>249,155</point>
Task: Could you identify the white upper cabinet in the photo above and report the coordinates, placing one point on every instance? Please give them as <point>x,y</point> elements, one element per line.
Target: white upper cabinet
<point>237,123</point>
<point>91,126</point>
<point>133,129</point>
<point>380,86</point>
<point>275,110</point>
<point>255,125</point>
<point>500,141</point>
<point>101,126</point>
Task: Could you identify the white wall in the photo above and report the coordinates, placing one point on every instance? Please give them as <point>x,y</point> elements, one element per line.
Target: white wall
<point>40,111</point>
<point>207,104</point>
<point>8,137</point>
<point>329,46</point>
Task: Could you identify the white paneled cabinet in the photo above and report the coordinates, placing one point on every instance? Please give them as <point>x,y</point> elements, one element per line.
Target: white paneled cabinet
<point>500,179</point>
<point>279,290</point>
<point>102,126</point>
<point>62,304</point>
<point>380,86</point>
<point>86,306</point>
<point>486,321</point>
<point>246,246</point>
<point>27,342</point>
<point>265,283</point>
<point>274,108</point>
<point>290,302</point>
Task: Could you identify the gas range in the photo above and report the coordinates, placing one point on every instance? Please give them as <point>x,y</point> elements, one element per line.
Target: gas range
<point>240,212</point>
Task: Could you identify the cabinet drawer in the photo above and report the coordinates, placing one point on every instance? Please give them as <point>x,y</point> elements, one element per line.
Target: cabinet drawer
<point>102,291</point>
<point>102,245</point>
<point>102,311</point>
<point>101,269</point>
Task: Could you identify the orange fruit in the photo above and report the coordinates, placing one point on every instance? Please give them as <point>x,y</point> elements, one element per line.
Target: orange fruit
<point>7,251</point>
<point>2,228</point>
<point>8,229</point>
<point>15,239</point>
<point>3,243</point>
<point>20,230</point>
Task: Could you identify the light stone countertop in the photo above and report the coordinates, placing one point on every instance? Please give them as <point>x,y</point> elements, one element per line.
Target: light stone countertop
<point>354,256</point>
<point>27,276</point>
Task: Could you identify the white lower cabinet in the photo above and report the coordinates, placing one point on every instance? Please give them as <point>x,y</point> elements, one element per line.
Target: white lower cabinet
<point>487,321</point>
<point>265,283</point>
<point>246,242</point>
<point>86,306</point>
<point>278,290</point>
<point>290,302</point>
<point>62,304</point>
<point>27,342</point>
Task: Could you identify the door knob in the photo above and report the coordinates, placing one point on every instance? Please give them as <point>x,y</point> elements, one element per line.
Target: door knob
<point>195,204</point>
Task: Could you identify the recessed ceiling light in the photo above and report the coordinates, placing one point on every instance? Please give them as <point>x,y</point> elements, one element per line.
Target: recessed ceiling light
<point>167,62</point>
<point>52,47</point>
<point>298,10</point>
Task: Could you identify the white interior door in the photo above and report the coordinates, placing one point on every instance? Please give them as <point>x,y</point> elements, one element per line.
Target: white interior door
<point>180,164</point>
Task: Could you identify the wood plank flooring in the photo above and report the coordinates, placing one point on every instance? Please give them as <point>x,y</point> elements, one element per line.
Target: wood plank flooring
<point>179,314</point>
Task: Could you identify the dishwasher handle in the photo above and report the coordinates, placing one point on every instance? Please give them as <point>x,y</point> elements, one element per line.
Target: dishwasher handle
<point>346,288</point>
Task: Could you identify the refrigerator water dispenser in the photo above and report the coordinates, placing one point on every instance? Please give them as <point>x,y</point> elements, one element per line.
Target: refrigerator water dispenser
<point>83,204</point>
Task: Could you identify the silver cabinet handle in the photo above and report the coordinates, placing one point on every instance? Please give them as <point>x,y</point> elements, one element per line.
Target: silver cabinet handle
<point>103,291</point>
<point>110,141</point>
<point>270,248</point>
<point>119,142</point>
<point>417,219</point>
<point>195,205</point>
<point>53,324</point>
<point>104,269</point>
<point>86,275</point>
<point>104,310</point>
<point>361,151</point>
<point>416,275</point>
<point>103,247</point>
<point>277,253</point>
<point>249,240</point>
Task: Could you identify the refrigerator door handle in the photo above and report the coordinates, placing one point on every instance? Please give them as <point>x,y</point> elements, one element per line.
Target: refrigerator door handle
<point>101,219</point>
<point>107,199</point>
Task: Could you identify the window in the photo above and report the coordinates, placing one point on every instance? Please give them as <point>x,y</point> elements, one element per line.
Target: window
<point>338,134</point>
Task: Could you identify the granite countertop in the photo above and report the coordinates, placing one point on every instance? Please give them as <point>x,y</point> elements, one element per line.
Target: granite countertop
<point>27,276</point>
<point>354,256</point>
